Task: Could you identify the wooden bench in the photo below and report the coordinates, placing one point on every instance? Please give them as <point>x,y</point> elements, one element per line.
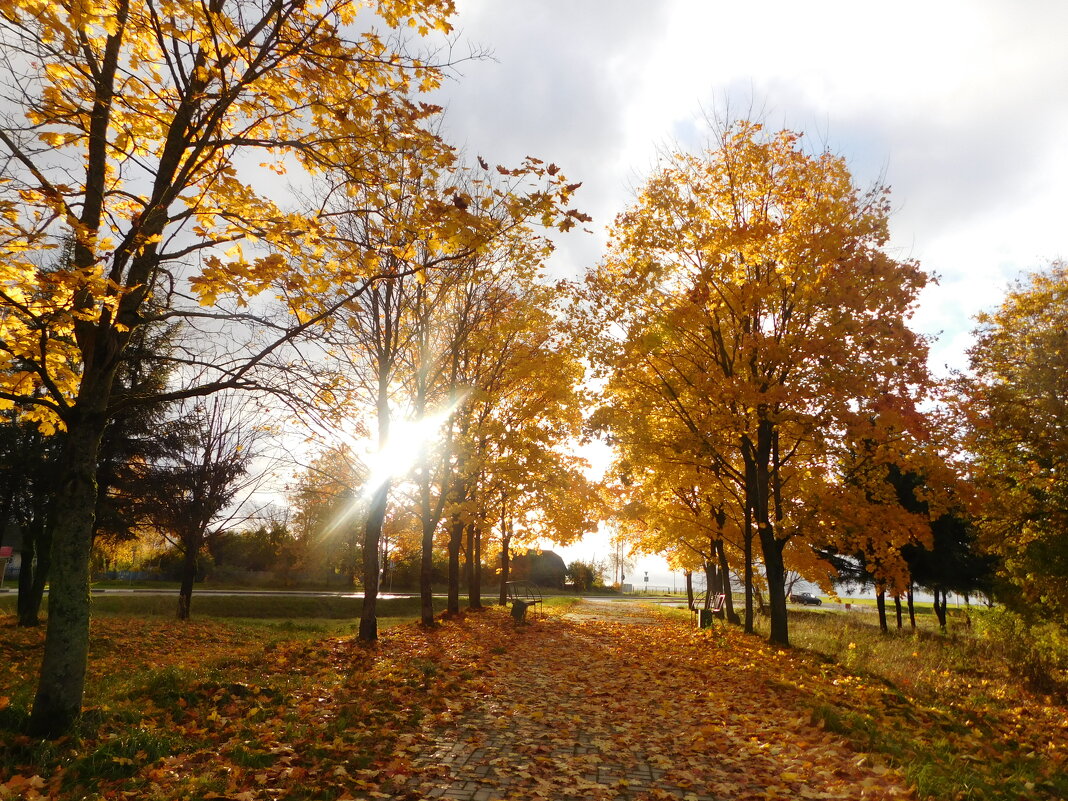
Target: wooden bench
<point>522,595</point>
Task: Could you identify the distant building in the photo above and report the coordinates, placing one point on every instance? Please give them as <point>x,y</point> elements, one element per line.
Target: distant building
<point>546,569</point>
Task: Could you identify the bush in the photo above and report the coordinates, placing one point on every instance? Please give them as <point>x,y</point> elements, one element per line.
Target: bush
<point>1037,651</point>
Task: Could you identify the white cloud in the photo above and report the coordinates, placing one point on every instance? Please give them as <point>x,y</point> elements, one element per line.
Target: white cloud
<point>960,106</point>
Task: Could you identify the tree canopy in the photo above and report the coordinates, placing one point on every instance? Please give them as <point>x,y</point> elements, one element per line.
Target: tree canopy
<point>1017,406</point>
<point>755,323</point>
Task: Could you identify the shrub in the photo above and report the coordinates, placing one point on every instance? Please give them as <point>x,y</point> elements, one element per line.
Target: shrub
<point>1037,651</point>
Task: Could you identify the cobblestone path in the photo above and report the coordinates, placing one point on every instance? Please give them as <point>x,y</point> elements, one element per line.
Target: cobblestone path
<point>579,710</point>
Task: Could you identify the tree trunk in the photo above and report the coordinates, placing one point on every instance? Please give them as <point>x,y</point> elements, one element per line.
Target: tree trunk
<point>769,493</point>
<point>474,558</point>
<point>58,701</point>
<point>189,575</point>
<point>728,595</point>
<point>456,531</point>
<point>372,536</point>
<point>456,536</point>
<point>33,575</point>
<point>747,545</point>
<point>941,602</point>
<point>469,561</point>
<point>759,488</point>
<point>710,583</point>
<point>773,565</point>
<point>426,575</point>
<point>897,610</point>
<point>40,573</point>
<point>880,603</point>
<point>912,607</point>
<point>506,541</point>
<point>689,590</point>
<point>28,613</point>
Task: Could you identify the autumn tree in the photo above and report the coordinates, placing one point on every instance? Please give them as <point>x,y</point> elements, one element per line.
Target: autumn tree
<point>458,319</point>
<point>373,333</point>
<point>137,127</point>
<point>541,492</point>
<point>160,105</point>
<point>750,299</point>
<point>522,406</point>
<point>1017,405</point>
<point>328,512</point>
<point>29,463</point>
<point>687,517</point>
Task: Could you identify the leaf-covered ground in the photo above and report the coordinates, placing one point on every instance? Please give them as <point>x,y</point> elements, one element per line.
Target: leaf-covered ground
<point>592,704</point>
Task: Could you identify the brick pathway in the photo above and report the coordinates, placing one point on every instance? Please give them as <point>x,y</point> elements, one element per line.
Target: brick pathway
<point>617,717</point>
<point>488,753</point>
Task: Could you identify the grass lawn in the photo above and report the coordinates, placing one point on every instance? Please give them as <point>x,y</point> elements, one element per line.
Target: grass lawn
<point>954,710</point>
<point>242,605</point>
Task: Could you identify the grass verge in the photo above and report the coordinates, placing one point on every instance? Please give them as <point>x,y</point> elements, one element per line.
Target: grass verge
<point>949,709</point>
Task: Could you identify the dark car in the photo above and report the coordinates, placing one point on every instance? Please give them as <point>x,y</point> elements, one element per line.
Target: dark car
<point>806,598</point>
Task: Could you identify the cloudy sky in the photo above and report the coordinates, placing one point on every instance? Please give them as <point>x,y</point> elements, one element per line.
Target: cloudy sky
<point>960,106</point>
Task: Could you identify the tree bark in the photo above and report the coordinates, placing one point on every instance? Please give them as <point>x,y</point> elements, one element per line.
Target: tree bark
<point>474,561</point>
<point>880,603</point>
<point>426,574</point>
<point>773,564</point>
<point>456,531</point>
<point>912,607</point>
<point>897,610</point>
<point>372,536</point>
<point>34,575</point>
<point>728,595</point>
<point>28,614</point>
<point>456,536</point>
<point>189,575</point>
<point>757,458</point>
<point>710,583</point>
<point>58,701</point>
<point>769,495</point>
<point>689,590</point>
<point>747,545</point>
<point>506,542</point>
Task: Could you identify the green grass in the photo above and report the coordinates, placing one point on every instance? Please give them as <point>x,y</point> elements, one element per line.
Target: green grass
<point>243,605</point>
<point>954,712</point>
<point>560,602</point>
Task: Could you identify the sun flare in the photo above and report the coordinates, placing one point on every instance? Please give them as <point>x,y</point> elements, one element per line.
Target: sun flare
<point>407,440</point>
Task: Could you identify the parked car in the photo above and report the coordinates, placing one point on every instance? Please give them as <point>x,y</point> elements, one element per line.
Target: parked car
<point>806,598</point>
